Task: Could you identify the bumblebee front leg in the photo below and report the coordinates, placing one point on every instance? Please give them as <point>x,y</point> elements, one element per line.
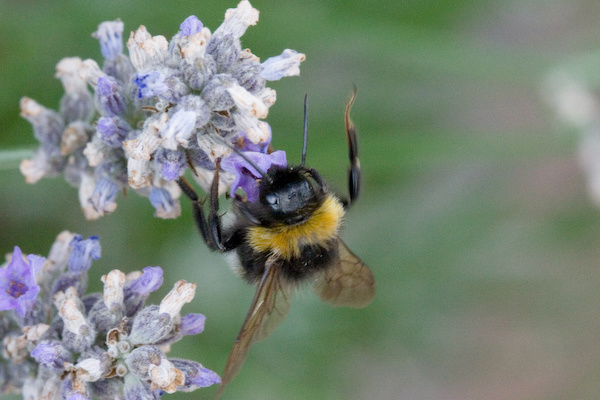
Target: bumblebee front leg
<point>198,211</point>
<point>210,228</point>
<point>214,219</point>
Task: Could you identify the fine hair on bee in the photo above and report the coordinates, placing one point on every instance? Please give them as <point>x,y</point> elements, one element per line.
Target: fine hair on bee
<point>287,237</point>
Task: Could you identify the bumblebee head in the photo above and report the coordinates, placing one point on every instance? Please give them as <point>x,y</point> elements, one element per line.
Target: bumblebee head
<point>289,195</point>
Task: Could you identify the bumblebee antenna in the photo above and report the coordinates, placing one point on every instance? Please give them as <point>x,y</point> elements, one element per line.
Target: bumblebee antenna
<point>305,139</point>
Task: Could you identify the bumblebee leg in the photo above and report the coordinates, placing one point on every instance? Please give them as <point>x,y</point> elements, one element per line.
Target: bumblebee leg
<point>198,211</point>
<point>317,177</point>
<point>214,219</point>
<point>210,228</point>
<point>354,172</point>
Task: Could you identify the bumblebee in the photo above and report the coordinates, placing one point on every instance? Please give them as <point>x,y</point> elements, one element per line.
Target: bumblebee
<point>289,236</point>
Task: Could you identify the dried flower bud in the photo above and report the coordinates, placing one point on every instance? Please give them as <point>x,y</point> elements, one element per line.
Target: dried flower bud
<point>238,19</point>
<point>47,125</point>
<point>89,369</point>
<point>150,326</point>
<point>178,129</point>
<point>140,359</point>
<point>113,289</point>
<point>70,310</point>
<point>75,137</point>
<point>286,64</point>
<point>165,376</point>
<point>183,292</point>
<point>146,51</point>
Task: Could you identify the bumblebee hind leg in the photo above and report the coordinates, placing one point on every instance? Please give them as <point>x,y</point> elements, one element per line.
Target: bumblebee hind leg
<point>354,172</point>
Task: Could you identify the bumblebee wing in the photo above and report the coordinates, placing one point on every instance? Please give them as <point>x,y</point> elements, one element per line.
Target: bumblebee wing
<point>348,282</point>
<point>269,307</point>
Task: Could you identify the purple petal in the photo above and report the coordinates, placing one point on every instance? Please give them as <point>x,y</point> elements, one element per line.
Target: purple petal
<point>151,279</point>
<point>18,288</point>
<point>190,26</point>
<point>111,101</point>
<point>150,84</point>
<point>84,251</point>
<point>246,175</point>
<point>195,374</point>
<point>113,130</point>
<point>192,324</point>
<point>163,202</point>
<point>36,263</point>
<point>104,195</point>
<point>172,163</point>
<point>110,36</point>
<point>244,144</point>
<point>206,377</point>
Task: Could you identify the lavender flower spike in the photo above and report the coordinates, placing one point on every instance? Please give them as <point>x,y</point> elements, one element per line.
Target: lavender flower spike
<point>155,112</point>
<point>103,345</point>
<point>18,288</point>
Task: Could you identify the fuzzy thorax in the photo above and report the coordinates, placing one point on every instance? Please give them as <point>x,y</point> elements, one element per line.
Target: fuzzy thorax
<point>285,241</point>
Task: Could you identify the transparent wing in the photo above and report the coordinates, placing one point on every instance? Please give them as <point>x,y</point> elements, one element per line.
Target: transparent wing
<point>269,307</point>
<point>348,282</point>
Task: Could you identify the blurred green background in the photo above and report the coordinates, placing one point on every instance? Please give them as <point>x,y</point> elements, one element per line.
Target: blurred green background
<point>474,217</point>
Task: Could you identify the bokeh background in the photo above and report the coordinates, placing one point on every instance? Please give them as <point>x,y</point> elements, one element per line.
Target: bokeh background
<point>475,217</point>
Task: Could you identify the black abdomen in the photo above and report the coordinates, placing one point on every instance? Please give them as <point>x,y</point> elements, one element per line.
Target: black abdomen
<point>312,259</point>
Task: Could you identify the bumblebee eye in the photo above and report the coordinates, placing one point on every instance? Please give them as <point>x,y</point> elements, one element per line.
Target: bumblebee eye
<point>272,199</point>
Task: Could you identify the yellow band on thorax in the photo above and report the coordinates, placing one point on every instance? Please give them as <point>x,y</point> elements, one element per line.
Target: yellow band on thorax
<point>285,240</point>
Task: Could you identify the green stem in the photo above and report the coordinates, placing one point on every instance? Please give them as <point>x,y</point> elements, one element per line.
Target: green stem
<point>10,159</point>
